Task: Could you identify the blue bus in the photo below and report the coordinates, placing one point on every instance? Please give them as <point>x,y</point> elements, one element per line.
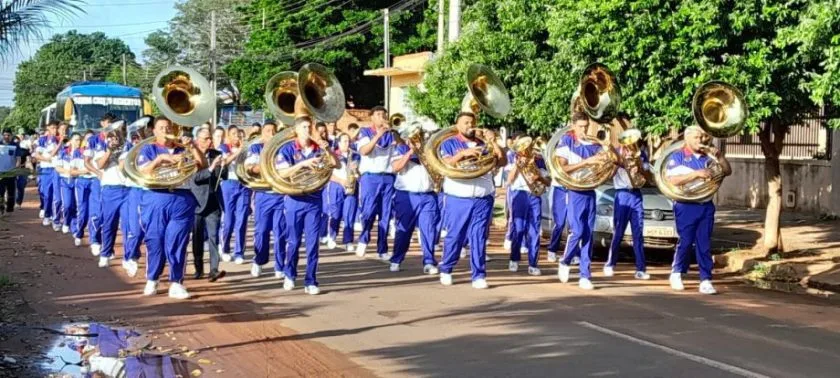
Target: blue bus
<point>82,104</point>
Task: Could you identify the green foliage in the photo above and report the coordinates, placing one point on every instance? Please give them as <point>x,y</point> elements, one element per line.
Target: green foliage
<point>343,36</point>
<point>23,20</point>
<point>58,63</point>
<point>4,112</point>
<point>660,51</point>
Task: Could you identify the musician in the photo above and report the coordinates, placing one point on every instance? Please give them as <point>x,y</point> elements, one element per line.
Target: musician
<point>84,180</point>
<point>58,205</point>
<point>575,155</point>
<point>256,128</point>
<point>302,211</point>
<point>376,145</point>
<point>628,207</point>
<point>321,131</point>
<point>559,196</point>
<point>68,184</point>
<point>525,214</point>
<point>114,194</point>
<point>133,232</point>
<point>236,198</point>
<point>469,203</point>
<point>268,214</point>
<point>96,144</point>
<point>45,151</point>
<point>332,135</point>
<point>415,205</point>
<point>338,204</point>
<point>694,221</point>
<point>353,131</point>
<point>208,211</point>
<point>218,136</point>
<point>167,215</point>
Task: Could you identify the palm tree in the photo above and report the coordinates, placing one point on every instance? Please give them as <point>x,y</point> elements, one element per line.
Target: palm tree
<point>22,20</point>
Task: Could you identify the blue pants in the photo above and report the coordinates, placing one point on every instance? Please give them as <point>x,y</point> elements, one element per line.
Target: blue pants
<point>441,200</point>
<point>581,216</point>
<point>95,212</point>
<point>113,204</point>
<point>376,194</point>
<point>20,185</point>
<point>237,209</point>
<point>526,215</point>
<point>508,200</point>
<point>468,220</point>
<point>695,222</point>
<point>269,218</point>
<point>58,208</point>
<point>82,206</point>
<point>303,215</point>
<point>68,199</point>
<point>45,190</point>
<point>416,210</point>
<point>558,211</point>
<point>134,236</point>
<point>168,219</point>
<point>628,207</point>
<point>339,207</point>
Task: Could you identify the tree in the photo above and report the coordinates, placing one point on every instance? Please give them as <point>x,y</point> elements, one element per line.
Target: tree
<point>345,37</point>
<point>22,20</point>
<point>4,113</point>
<point>661,52</point>
<point>65,59</point>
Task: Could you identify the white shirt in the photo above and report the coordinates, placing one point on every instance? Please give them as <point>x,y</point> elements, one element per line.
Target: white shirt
<point>379,159</point>
<point>79,164</point>
<point>519,182</point>
<point>112,174</point>
<point>413,177</point>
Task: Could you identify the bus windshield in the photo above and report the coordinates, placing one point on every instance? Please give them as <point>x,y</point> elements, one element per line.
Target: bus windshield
<point>87,116</point>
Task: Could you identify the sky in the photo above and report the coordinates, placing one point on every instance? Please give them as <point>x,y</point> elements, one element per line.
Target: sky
<point>129,20</point>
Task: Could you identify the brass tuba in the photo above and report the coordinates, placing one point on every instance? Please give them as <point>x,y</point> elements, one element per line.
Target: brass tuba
<point>599,96</point>
<point>321,96</point>
<point>396,120</point>
<point>721,111</point>
<point>187,99</point>
<point>412,135</point>
<point>486,93</point>
<point>529,148</point>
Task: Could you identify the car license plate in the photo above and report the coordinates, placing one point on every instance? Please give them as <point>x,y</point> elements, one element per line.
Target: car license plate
<point>660,232</point>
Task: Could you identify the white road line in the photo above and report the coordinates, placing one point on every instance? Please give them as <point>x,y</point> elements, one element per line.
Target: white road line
<point>693,357</point>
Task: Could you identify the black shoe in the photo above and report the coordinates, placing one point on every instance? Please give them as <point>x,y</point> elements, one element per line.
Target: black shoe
<point>216,275</point>
<point>198,275</point>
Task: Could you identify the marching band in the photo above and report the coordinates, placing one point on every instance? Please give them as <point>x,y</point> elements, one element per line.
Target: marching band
<point>305,180</point>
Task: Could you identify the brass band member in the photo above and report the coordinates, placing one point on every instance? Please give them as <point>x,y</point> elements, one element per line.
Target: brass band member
<point>236,198</point>
<point>340,195</point>
<point>376,145</point>
<point>525,213</point>
<point>268,214</point>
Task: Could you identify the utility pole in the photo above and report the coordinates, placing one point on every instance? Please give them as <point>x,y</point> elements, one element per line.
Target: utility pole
<point>213,65</point>
<point>441,32</point>
<point>387,56</point>
<point>263,18</point>
<point>454,20</point>
<point>124,70</point>
<point>84,75</point>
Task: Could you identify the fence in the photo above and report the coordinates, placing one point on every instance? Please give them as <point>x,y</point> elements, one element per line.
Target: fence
<point>808,140</point>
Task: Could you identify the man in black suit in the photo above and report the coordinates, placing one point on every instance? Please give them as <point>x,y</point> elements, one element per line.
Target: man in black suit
<point>209,210</point>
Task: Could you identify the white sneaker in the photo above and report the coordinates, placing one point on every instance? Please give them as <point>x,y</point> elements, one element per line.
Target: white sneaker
<point>349,247</point>
<point>385,257</point>
<point>576,260</point>
<point>124,264</point>
<point>219,249</point>
<point>150,289</point>
<point>676,281</point>
<point>226,257</point>
<point>430,269</point>
<point>608,271</point>
<point>506,245</point>
<point>585,284</point>
<point>41,214</point>
<point>178,291</point>
<point>46,222</point>
<point>311,290</point>
<point>443,234</point>
<point>57,228</point>
<point>77,242</point>
<point>480,283</point>
<point>256,270</point>
<point>279,275</point>
<point>464,253</point>
<point>103,262</point>
<point>523,250</point>
<point>534,271</point>
<point>394,267</point>
<point>288,284</point>
<point>552,257</point>
<point>323,240</point>
<point>563,272</point>
<point>331,243</point>
<point>360,249</point>
<point>95,249</point>
<point>641,276</point>
<point>707,288</point>
<point>446,279</point>
<point>65,229</point>
<point>513,266</point>
<point>206,246</point>
<point>131,268</point>
<point>238,260</point>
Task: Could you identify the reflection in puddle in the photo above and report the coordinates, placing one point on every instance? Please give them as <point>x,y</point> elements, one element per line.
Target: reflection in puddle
<point>97,350</point>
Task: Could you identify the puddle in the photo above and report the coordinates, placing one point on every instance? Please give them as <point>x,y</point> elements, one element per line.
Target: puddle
<point>97,350</point>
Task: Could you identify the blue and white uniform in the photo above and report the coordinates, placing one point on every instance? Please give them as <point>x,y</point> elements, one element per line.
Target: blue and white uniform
<point>237,206</point>
<point>303,214</point>
<point>133,233</point>
<point>58,206</point>
<point>469,211</point>
<point>95,144</point>
<point>511,156</point>
<point>581,203</point>
<point>415,205</point>
<point>559,200</point>
<point>526,217</point>
<point>376,187</point>
<point>694,221</point>
<point>339,206</point>
<point>83,192</point>
<point>628,206</point>
<point>114,196</point>
<point>269,216</point>
<point>47,148</point>
<point>68,188</point>
<point>167,216</point>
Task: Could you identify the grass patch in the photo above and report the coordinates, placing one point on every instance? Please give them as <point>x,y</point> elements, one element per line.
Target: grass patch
<point>760,271</point>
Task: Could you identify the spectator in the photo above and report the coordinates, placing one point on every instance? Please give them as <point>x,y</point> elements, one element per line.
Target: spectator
<point>9,160</point>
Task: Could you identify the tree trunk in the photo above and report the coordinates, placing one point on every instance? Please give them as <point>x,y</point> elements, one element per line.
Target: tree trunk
<point>772,136</point>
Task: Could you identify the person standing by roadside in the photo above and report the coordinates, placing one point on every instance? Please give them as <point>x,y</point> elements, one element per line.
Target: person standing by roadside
<point>9,160</point>
<point>208,212</point>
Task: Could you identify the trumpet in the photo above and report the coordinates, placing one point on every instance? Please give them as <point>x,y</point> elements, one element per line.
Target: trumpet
<point>632,156</point>
<point>528,149</point>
